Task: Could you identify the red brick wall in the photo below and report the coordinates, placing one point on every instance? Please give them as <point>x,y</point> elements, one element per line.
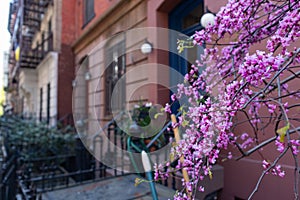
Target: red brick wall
<point>65,77</point>
<point>68,22</point>
<point>241,176</point>
<point>100,6</point>
<point>66,59</point>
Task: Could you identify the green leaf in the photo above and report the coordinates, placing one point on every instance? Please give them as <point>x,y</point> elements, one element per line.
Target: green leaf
<point>157,115</point>
<point>210,174</point>
<point>282,132</point>
<point>185,123</point>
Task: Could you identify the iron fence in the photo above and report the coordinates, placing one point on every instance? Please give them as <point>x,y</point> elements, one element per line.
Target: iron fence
<point>32,176</point>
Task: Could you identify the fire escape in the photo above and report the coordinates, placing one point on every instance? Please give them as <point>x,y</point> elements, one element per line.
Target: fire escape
<point>25,20</point>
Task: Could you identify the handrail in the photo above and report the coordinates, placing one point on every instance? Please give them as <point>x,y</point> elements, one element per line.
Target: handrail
<point>107,125</point>
<point>161,132</point>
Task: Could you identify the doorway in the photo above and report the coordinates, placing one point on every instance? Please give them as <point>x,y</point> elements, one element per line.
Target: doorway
<point>185,20</point>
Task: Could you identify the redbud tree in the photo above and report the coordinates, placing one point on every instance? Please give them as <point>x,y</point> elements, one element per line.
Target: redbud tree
<point>248,74</point>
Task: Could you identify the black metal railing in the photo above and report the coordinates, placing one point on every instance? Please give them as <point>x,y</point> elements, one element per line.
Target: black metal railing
<point>75,166</point>
<point>8,180</point>
<point>138,145</point>
<point>40,175</point>
<point>31,58</point>
<point>8,168</point>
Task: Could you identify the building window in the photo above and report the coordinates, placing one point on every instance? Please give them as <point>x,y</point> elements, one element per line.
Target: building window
<point>88,11</point>
<point>41,104</point>
<point>80,91</point>
<point>48,103</point>
<point>43,44</point>
<point>50,37</point>
<point>84,90</point>
<point>115,63</point>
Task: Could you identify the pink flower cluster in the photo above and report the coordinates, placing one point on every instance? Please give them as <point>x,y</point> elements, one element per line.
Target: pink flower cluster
<point>234,79</point>
<point>295,146</point>
<point>259,66</point>
<point>280,145</point>
<point>247,141</point>
<point>276,171</point>
<point>288,31</point>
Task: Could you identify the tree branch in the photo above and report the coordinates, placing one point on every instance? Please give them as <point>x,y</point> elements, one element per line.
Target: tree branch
<point>264,143</point>
<point>265,172</point>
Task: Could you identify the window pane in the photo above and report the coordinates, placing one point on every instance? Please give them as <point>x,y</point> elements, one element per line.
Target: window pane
<point>48,103</point>
<point>41,104</point>
<point>115,62</point>
<point>88,10</point>
<point>192,18</point>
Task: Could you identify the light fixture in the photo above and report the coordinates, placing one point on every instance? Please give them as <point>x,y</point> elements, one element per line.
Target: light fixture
<point>87,76</point>
<point>208,19</point>
<point>81,128</point>
<point>25,30</point>
<point>80,123</point>
<point>74,83</point>
<point>146,48</point>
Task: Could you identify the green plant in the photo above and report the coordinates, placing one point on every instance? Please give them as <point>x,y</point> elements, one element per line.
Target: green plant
<point>32,139</point>
<point>145,117</point>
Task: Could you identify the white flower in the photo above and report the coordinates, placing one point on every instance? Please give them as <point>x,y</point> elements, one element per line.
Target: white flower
<point>148,104</point>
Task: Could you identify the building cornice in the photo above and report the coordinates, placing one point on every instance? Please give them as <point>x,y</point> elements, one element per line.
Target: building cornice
<point>103,22</point>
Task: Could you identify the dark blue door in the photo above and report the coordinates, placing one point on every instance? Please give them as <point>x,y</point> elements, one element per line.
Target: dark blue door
<point>185,20</point>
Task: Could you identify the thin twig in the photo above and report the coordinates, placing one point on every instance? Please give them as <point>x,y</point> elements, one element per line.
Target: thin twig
<point>264,143</point>
<point>265,172</point>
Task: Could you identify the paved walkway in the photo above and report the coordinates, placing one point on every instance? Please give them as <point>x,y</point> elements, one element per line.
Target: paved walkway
<point>118,188</point>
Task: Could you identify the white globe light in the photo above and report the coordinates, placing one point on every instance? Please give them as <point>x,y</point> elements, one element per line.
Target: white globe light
<point>87,76</point>
<point>208,19</point>
<point>146,48</point>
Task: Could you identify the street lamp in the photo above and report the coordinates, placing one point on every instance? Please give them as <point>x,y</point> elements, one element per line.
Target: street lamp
<point>146,48</point>
<point>208,19</point>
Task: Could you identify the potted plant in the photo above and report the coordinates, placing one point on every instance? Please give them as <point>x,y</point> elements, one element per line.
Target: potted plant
<point>147,120</point>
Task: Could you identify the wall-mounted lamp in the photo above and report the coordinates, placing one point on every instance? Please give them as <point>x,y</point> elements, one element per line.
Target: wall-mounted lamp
<point>208,19</point>
<point>74,83</point>
<point>87,76</point>
<point>146,48</point>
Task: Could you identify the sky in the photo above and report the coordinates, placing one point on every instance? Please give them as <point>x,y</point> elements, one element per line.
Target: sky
<point>4,34</point>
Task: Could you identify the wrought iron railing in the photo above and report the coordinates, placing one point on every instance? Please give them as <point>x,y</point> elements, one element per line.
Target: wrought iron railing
<point>8,167</point>
<point>78,166</point>
<point>31,57</point>
<point>8,179</point>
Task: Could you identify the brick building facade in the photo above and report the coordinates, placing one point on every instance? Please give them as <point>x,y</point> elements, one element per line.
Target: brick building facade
<point>41,75</point>
<point>116,21</point>
<point>97,42</point>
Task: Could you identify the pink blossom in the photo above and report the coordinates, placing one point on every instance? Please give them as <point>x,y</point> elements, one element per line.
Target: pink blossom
<point>295,146</point>
<point>244,136</point>
<point>168,108</point>
<point>247,143</point>
<point>280,145</point>
<point>234,79</point>
<point>201,189</point>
